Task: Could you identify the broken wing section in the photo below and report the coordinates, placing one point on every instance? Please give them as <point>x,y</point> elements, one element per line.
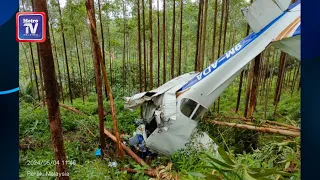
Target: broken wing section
<point>289,39</point>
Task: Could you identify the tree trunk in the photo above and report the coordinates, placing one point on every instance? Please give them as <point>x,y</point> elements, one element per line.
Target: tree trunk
<point>34,71</point>
<point>173,38</point>
<point>180,38</point>
<point>241,75</point>
<point>97,57</point>
<point>79,64</point>
<point>164,41</point>
<point>59,73</point>
<point>102,41</point>
<point>144,48</point>
<point>151,45</point>
<point>204,33</point>
<point>158,18</point>
<point>139,48</point>
<point>255,84</point>
<point>198,36</point>
<point>219,45</point>
<point>124,51</point>
<point>248,88</point>
<point>65,52</point>
<point>214,30</point>
<point>29,68</point>
<point>51,88</point>
<point>84,67</point>
<point>282,65</point>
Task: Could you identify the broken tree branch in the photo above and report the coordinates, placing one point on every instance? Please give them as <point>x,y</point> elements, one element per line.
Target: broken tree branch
<point>128,150</point>
<point>255,128</point>
<point>72,109</point>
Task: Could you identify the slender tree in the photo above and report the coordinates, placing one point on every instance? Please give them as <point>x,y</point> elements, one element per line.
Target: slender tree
<point>102,40</point>
<point>180,38</point>
<point>151,45</point>
<point>99,61</point>
<point>158,18</point>
<point>40,66</point>
<point>282,66</point>
<point>241,76</point>
<point>65,51</point>
<point>203,42</point>
<point>79,63</point>
<point>51,89</point>
<point>97,70</point>
<point>57,61</point>
<point>220,38</point>
<point>144,47</point>
<point>139,48</point>
<point>214,30</point>
<point>173,37</point>
<point>198,36</point>
<point>254,88</point>
<point>164,41</point>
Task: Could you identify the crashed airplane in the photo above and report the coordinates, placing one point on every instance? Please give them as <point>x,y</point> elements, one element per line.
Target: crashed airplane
<point>171,111</point>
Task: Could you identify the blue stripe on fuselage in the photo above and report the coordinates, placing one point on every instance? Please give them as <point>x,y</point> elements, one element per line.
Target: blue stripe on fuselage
<point>224,58</point>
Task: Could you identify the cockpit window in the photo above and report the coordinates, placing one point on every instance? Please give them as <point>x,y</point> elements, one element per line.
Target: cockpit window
<point>187,106</point>
<point>199,113</point>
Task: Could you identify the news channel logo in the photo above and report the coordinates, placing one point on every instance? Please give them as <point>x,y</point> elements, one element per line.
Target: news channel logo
<point>31,27</point>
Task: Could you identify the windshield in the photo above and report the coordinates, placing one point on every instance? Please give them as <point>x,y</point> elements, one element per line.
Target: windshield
<point>199,113</point>
<point>187,106</point>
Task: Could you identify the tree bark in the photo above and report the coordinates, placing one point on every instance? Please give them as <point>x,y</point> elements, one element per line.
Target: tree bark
<point>256,128</point>
<point>164,41</point>
<point>102,41</point>
<point>158,18</point>
<point>79,64</point>
<point>255,84</point>
<point>198,36</point>
<point>151,45</point>
<point>139,48</point>
<point>59,73</point>
<point>51,88</point>
<point>65,52</point>
<point>97,70</point>
<point>144,48</point>
<point>98,57</point>
<point>241,75</point>
<point>214,30</point>
<point>173,38</point>
<point>180,38</point>
<point>203,42</point>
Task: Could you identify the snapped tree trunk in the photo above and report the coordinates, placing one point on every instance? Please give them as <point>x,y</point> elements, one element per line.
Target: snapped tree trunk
<point>98,57</point>
<point>97,71</point>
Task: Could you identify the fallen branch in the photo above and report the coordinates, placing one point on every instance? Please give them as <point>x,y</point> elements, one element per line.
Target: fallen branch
<point>273,127</point>
<point>255,128</point>
<point>267,121</point>
<point>72,109</point>
<point>128,150</point>
<point>281,124</point>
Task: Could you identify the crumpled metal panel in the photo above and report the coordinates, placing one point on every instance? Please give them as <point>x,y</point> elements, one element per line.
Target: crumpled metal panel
<point>136,100</point>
